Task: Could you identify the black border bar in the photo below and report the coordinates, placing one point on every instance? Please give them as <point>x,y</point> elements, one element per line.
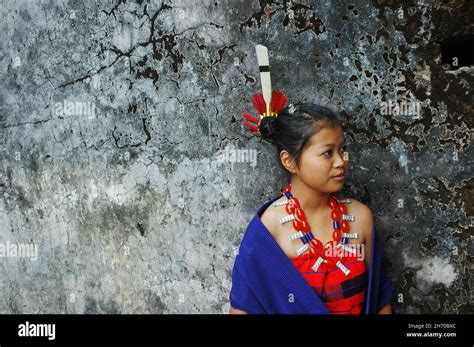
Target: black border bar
<point>261,329</point>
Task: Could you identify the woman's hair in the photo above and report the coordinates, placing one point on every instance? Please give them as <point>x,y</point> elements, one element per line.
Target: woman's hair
<point>294,126</point>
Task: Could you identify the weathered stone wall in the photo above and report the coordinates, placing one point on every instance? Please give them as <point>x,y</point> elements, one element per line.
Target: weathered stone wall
<point>119,122</point>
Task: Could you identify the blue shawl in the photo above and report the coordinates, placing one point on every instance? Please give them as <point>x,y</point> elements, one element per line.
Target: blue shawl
<point>264,280</point>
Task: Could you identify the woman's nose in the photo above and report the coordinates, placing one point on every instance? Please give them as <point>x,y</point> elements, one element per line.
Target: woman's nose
<point>340,161</point>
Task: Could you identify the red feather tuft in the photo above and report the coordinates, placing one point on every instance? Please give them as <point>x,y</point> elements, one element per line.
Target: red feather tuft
<point>259,103</point>
<point>251,126</point>
<point>251,118</point>
<point>278,101</point>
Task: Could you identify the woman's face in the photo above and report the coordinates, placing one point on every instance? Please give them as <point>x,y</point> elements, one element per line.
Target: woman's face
<point>323,160</point>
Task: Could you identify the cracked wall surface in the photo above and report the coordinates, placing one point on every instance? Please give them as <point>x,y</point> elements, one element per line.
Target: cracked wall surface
<point>120,121</point>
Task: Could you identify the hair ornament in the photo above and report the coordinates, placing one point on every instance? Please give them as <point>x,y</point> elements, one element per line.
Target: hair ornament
<point>269,102</point>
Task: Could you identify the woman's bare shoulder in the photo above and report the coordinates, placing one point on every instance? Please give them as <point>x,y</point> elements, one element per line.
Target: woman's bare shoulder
<point>270,217</point>
<point>364,218</point>
<point>362,209</point>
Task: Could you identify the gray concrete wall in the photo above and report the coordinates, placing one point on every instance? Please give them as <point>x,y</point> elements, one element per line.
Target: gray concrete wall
<point>119,121</point>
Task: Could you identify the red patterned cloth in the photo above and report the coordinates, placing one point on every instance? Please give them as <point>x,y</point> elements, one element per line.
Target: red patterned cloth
<point>341,294</point>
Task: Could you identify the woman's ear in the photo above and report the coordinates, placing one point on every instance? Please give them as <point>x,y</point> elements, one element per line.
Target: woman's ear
<point>288,162</point>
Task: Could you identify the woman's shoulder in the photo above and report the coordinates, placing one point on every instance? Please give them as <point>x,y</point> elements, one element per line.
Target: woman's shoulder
<point>271,215</point>
<point>363,217</point>
<point>360,208</point>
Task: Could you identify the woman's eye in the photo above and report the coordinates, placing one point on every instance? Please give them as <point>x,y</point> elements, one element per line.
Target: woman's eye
<point>328,153</point>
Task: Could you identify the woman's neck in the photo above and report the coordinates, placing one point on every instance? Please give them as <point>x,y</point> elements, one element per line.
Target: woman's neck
<point>312,201</point>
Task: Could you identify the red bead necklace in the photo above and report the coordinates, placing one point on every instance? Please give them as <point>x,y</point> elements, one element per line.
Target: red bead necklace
<point>332,253</point>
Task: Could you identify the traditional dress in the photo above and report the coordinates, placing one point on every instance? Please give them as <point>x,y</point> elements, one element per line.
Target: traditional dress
<point>265,280</point>
<point>340,294</point>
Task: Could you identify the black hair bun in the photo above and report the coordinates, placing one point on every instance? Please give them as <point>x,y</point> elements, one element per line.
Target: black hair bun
<point>267,128</point>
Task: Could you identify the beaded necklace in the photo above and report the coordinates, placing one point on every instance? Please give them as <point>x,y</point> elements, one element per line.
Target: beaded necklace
<point>332,253</point>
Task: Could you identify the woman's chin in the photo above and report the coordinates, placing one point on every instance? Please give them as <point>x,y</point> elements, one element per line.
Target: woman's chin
<point>335,188</point>
<point>338,181</point>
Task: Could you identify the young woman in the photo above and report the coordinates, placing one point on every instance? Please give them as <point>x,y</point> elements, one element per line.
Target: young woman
<point>307,250</point>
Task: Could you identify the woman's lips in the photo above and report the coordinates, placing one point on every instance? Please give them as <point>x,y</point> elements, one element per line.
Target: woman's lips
<point>339,178</point>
